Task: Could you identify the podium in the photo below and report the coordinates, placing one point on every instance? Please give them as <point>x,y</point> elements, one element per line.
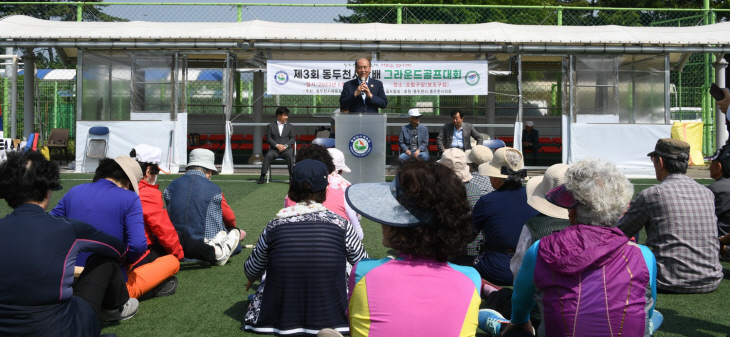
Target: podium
<point>361,137</point>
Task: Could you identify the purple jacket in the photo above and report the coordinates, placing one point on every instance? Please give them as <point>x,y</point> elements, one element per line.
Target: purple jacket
<point>588,281</point>
<point>110,209</point>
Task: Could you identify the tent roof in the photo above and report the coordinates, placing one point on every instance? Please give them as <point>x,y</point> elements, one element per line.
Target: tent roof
<point>28,28</point>
<point>161,75</point>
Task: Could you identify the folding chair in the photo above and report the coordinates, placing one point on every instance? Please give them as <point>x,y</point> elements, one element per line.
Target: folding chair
<point>326,142</point>
<point>96,144</point>
<point>493,143</point>
<point>58,140</point>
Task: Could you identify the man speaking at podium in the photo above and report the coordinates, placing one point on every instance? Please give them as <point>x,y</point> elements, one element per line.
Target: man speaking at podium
<point>363,94</point>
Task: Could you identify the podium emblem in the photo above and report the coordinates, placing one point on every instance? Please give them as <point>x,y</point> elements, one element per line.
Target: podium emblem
<point>360,145</point>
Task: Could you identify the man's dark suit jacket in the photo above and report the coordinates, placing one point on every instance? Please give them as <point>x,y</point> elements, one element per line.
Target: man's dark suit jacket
<point>443,141</point>
<point>273,137</point>
<point>352,103</point>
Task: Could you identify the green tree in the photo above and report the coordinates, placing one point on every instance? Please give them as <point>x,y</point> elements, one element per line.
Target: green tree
<point>58,11</point>
<point>46,57</point>
<point>664,18</point>
<point>457,15</point>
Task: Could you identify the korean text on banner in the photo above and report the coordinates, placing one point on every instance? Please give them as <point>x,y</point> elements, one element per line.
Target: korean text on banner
<point>399,78</point>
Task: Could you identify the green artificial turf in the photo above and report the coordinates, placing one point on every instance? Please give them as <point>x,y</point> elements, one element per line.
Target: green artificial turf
<point>211,301</point>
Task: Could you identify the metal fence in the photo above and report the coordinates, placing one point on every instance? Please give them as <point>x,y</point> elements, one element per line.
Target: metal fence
<point>541,96</point>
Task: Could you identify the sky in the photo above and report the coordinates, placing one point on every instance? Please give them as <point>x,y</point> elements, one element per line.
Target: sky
<point>227,13</point>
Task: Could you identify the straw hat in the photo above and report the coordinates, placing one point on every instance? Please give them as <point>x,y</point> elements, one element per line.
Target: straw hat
<point>479,154</point>
<point>537,187</point>
<point>131,169</point>
<point>455,159</point>
<point>494,167</point>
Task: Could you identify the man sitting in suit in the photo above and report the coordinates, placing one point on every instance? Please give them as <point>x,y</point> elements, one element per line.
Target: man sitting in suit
<point>456,134</point>
<point>363,94</point>
<point>280,136</point>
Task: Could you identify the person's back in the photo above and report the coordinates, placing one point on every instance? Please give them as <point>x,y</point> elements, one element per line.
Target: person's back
<point>188,199</point>
<point>335,202</point>
<point>38,296</point>
<point>302,289</point>
<point>109,208</point>
<point>681,229</point>
<point>383,287</point>
<point>592,281</point>
<point>23,260</point>
<point>301,258</point>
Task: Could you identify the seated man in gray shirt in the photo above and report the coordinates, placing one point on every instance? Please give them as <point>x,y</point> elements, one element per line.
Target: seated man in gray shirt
<point>413,138</point>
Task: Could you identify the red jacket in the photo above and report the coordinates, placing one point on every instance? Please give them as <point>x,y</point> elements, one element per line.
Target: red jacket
<point>157,225</point>
<point>229,218</point>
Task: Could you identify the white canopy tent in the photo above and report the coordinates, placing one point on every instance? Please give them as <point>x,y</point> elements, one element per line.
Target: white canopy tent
<point>254,42</point>
<point>27,28</point>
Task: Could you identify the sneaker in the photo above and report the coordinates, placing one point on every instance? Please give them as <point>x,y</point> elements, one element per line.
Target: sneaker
<point>329,333</point>
<point>233,238</point>
<point>166,288</point>
<point>222,250</point>
<point>228,242</point>
<point>127,311</point>
<point>490,321</point>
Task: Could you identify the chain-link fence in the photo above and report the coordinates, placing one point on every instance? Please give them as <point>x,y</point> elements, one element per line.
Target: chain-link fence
<point>541,89</point>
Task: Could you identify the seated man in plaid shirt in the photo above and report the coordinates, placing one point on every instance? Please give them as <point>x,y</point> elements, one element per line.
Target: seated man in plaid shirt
<point>681,227</point>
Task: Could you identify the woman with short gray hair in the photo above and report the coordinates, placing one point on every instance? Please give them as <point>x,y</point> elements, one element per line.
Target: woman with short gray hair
<point>603,193</point>
<point>590,254</point>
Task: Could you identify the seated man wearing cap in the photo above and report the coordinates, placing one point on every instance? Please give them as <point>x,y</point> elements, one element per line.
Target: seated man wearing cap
<point>197,209</point>
<point>413,138</point>
<point>531,140</point>
<point>720,171</point>
<point>681,227</point>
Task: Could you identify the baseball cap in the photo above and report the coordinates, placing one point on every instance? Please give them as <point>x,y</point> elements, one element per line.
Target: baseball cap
<point>311,171</point>
<point>720,155</point>
<point>148,154</point>
<point>671,148</point>
<point>529,123</point>
<point>414,113</point>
